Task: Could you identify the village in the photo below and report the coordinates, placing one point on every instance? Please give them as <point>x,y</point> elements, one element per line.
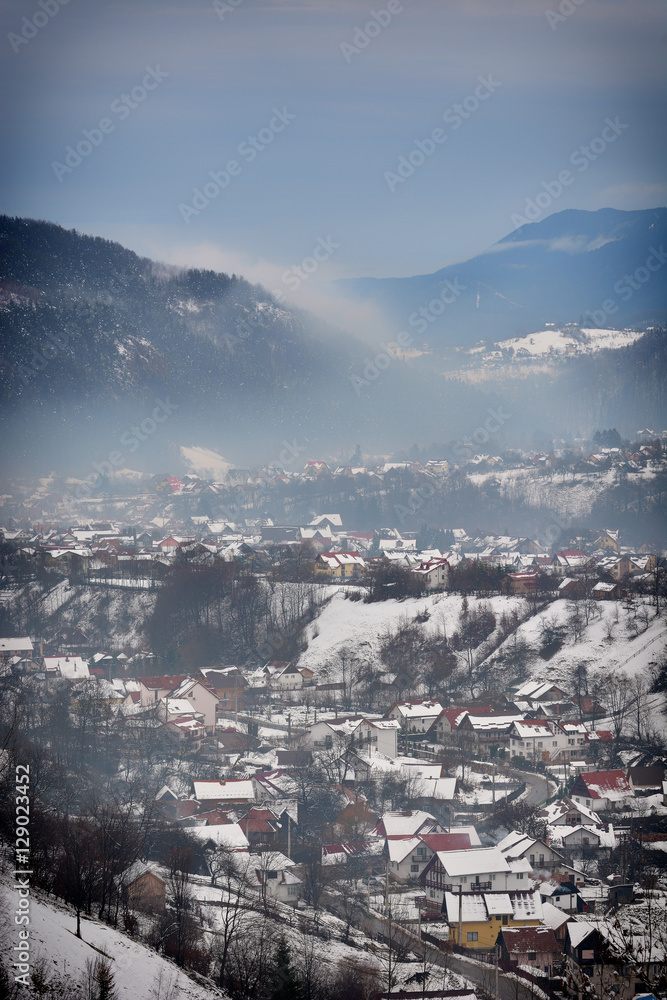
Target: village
<point>443,750</point>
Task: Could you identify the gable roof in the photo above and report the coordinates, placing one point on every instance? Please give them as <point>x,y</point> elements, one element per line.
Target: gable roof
<point>611,785</point>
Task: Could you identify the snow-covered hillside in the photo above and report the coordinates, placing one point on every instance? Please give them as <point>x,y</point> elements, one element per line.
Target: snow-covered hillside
<point>572,496</point>
<point>139,972</point>
<point>360,628</point>
<point>609,640</point>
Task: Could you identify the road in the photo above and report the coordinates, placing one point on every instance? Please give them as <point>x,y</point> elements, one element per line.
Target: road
<point>539,787</point>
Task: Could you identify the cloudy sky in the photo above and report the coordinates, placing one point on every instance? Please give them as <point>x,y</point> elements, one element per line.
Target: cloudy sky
<point>312,103</point>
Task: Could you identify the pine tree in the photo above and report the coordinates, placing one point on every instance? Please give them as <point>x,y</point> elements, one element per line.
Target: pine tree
<point>284,982</point>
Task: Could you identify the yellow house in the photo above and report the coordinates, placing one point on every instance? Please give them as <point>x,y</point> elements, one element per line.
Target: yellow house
<point>483,914</point>
<point>339,565</point>
<point>608,540</point>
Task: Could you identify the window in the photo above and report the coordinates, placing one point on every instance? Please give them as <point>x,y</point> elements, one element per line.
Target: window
<point>539,744</point>
<point>464,879</point>
<point>472,935</point>
<point>414,868</point>
<point>493,876</point>
<point>505,918</point>
<point>431,893</point>
<point>291,890</point>
<point>570,743</point>
<point>532,956</point>
<point>541,859</point>
<point>532,859</point>
<point>519,875</point>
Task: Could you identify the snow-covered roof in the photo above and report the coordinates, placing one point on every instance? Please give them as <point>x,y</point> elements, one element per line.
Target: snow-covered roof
<point>229,835</point>
<point>405,824</point>
<point>20,644</point>
<point>224,790</point>
<point>72,667</point>
<point>398,848</point>
<point>418,709</point>
<point>578,930</point>
<point>481,861</point>
<point>533,729</point>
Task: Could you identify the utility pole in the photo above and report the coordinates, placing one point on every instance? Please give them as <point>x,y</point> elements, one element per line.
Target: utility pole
<point>460,888</point>
<point>289,836</point>
<point>497,964</point>
<point>494,784</point>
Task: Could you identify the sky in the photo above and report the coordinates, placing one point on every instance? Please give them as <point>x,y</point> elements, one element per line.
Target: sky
<point>302,111</point>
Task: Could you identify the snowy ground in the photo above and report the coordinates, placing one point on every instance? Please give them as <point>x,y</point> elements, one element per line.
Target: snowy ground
<point>359,628</point>
<point>139,973</point>
<point>607,640</point>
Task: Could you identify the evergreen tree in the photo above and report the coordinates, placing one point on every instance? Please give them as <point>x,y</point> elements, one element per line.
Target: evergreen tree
<point>283,980</point>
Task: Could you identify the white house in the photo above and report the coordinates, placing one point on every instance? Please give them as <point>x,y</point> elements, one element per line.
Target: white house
<point>415,716</point>
<point>202,700</point>
<point>483,869</point>
<point>380,734</point>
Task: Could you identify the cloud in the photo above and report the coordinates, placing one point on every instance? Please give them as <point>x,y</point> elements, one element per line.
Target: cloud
<point>316,294</point>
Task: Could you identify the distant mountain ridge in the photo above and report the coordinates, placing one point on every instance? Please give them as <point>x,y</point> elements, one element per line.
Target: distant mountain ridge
<point>570,267</point>
<point>93,337</point>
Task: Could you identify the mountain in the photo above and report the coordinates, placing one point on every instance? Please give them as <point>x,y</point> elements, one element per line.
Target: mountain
<point>574,266</point>
<point>104,353</point>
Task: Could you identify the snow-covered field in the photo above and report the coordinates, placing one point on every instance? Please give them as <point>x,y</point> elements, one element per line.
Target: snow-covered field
<point>555,341</point>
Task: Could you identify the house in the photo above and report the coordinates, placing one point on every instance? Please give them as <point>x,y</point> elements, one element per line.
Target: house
<point>201,698</point>
<point>380,734</point>
<point>143,887</point>
<point>261,826</point>
<point>570,560</point>
<point>415,716</point>
<point>285,676</point>
<point>622,568</point>
<point>73,668</point>
<point>188,729</point>
<point>592,967</point>
<point>532,946</point>
<point>539,854</point>
<point>433,573</point>
<point>533,739</point>
<point>565,812</point>
<point>270,874</point>
<point>563,895</point>
<point>606,592</point>
<point>20,646</point>
<point>218,832</point>
<point>602,790</point>
<point>410,823</point>
<point>475,918</point>
<point>539,692</point>
<point>571,589</point>
<point>408,856</point>
<point>450,718</point>
<point>521,584</point>
<point>489,732</point>
<point>228,683</point>
<point>216,792</point>
<point>339,733</point>
<point>154,689</point>
<point>484,869</point>
<point>339,565</point>
<point>646,780</point>
<point>608,540</point>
